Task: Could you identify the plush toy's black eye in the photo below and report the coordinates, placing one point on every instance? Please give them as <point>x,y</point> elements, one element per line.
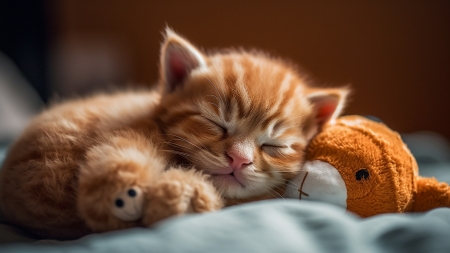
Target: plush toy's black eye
<point>119,203</point>
<point>131,193</point>
<point>362,174</point>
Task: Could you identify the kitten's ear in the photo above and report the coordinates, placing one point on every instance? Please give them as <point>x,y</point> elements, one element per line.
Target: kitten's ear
<point>327,103</point>
<point>178,59</point>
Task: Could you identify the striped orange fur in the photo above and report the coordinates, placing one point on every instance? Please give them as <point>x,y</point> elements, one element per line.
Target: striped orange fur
<point>242,119</point>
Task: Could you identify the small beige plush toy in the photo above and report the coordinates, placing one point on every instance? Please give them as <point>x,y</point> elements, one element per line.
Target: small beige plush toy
<point>365,167</point>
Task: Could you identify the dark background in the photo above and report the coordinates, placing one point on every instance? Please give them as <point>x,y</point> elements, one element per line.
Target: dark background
<point>394,54</point>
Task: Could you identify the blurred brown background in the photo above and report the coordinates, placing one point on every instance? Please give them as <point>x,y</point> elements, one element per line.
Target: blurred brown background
<point>395,54</point>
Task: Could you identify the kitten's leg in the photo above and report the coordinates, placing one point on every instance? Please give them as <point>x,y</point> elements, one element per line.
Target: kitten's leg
<point>121,161</point>
<point>178,192</point>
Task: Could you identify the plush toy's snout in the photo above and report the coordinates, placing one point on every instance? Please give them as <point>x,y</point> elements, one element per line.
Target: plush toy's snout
<point>319,181</point>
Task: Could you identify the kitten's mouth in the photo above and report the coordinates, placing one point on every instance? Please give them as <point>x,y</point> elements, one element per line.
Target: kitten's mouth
<point>238,178</point>
<point>231,179</point>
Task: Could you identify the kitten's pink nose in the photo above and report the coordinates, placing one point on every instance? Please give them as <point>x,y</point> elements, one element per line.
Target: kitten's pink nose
<point>238,160</point>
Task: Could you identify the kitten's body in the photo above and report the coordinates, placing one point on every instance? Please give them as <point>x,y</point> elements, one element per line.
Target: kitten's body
<point>39,177</point>
<point>242,118</point>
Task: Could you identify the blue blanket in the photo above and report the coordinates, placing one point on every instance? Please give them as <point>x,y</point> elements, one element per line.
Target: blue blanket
<point>271,226</point>
<point>267,226</point>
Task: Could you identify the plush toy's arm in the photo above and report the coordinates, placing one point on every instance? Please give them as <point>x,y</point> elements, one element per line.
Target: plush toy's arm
<point>431,194</point>
<point>124,183</point>
<point>113,179</point>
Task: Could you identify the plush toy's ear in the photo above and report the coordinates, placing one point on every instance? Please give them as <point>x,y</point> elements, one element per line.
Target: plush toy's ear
<point>431,194</point>
<point>327,104</point>
<point>178,59</point>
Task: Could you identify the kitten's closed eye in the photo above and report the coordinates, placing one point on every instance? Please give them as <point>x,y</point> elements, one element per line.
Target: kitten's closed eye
<point>274,146</point>
<point>223,128</point>
<point>273,149</point>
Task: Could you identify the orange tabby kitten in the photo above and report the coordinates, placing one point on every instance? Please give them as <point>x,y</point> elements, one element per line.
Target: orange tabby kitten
<point>243,119</point>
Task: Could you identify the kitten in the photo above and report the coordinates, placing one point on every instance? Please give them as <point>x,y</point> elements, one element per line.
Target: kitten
<point>241,118</point>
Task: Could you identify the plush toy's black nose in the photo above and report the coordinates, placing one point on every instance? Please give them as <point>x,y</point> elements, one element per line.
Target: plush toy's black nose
<point>362,174</point>
<point>119,203</point>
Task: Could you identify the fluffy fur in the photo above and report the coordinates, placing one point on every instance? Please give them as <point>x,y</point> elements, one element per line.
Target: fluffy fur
<point>242,119</point>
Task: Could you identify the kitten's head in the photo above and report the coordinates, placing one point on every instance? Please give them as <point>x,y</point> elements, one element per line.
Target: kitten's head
<point>244,118</point>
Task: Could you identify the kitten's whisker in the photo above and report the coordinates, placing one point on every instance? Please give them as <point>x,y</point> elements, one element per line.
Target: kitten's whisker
<point>182,139</point>
<point>197,159</point>
<point>289,172</point>
<point>178,153</point>
<point>292,172</point>
<point>292,182</point>
<point>278,187</point>
<point>272,190</point>
<point>216,161</point>
<point>177,146</point>
<point>186,156</point>
<point>287,185</point>
<point>293,187</point>
<point>200,143</point>
<point>296,167</point>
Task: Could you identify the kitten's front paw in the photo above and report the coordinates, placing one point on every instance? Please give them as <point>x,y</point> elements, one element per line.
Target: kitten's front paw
<point>178,192</point>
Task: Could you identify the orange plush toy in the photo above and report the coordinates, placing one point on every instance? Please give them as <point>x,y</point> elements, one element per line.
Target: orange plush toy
<point>365,167</point>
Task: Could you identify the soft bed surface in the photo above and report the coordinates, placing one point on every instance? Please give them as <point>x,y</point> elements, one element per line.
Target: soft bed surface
<point>272,226</point>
